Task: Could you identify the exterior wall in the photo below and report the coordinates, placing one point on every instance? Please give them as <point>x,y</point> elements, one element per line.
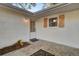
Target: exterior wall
<point>68,35</point>
<point>32,35</point>
<point>12,27</point>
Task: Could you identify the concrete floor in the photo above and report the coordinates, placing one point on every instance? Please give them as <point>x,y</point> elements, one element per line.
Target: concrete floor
<point>51,47</point>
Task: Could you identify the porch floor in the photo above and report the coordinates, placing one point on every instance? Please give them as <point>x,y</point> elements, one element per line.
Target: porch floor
<point>51,47</point>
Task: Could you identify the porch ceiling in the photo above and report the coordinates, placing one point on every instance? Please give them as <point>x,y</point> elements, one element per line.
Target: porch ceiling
<point>58,9</point>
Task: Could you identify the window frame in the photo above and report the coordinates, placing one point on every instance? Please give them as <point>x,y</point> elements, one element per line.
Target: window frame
<point>52,22</point>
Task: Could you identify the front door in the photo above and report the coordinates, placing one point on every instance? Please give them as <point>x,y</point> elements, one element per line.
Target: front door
<point>32,29</point>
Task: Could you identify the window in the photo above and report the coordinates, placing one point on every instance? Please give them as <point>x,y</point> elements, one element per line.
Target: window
<point>32,26</point>
<point>53,22</point>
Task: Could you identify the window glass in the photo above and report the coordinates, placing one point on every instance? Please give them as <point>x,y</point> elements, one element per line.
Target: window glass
<point>53,22</point>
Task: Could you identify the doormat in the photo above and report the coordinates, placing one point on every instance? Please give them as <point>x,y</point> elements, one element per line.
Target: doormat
<point>34,39</point>
<point>42,53</point>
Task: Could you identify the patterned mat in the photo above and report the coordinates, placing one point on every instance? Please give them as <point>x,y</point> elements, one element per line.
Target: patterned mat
<point>42,53</point>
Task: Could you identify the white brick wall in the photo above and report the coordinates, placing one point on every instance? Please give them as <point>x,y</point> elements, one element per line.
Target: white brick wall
<point>12,27</point>
<point>69,35</point>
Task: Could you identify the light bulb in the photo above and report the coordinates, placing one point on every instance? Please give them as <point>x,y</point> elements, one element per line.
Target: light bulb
<point>54,20</point>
